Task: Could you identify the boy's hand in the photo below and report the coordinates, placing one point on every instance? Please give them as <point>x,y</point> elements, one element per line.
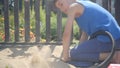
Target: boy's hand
<point>65,59</point>
<point>65,55</point>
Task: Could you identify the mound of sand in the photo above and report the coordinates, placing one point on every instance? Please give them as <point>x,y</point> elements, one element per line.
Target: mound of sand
<point>46,56</point>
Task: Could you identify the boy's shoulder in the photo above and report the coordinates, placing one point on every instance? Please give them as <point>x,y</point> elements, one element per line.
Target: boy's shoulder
<point>76,8</point>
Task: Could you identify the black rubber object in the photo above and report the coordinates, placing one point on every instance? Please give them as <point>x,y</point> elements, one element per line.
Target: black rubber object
<point>107,61</point>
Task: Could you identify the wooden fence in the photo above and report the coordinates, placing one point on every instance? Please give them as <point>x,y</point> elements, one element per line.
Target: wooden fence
<point>49,7</point>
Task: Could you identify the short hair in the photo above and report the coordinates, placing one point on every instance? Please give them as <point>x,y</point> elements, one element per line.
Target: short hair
<point>54,1</point>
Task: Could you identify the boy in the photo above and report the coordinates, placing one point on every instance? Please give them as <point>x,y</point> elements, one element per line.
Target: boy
<point>90,17</point>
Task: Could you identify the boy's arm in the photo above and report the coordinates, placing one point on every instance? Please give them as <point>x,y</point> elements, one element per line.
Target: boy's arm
<point>67,36</point>
<point>72,12</point>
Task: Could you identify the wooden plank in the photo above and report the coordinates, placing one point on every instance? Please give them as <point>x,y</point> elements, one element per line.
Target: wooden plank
<point>16,20</point>
<point>27,20</point>
<point>48,15</point>
<point>37,18</point>
<point>6,20</point>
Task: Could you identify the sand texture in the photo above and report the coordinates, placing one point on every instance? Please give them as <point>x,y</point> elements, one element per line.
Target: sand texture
<point>46,56</point>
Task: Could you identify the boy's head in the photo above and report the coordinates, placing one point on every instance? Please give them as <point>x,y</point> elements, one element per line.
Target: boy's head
<point>55,1</point>
<point>63,5</point>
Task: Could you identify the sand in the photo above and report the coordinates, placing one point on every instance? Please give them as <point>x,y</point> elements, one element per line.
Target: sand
<point>46,56</point>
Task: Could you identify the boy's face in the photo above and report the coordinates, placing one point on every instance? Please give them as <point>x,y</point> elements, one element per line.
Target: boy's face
<point>62,5</point>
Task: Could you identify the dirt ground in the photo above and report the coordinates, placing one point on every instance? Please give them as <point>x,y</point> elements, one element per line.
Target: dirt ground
<point>46,56</point>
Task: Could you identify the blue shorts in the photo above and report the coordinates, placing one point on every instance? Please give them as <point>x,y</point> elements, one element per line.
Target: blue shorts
<point>87,53</point>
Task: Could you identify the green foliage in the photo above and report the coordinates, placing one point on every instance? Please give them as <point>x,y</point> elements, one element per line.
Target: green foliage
<point>53,26</point>
<point>42,23</point>
<point>76,31</point>
<point>1,27</point>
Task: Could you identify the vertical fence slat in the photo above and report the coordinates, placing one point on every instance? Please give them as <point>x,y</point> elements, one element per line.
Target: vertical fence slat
<point>31,3</point>
<point>59,26</point>
<point>105,4</point>
<point>27,20</point>
<point>117,11</point>
<point>6,20</point>
<point>16,20</point>
<point>48,32</point>
<point>93,0</point>
<point>20,5</point>
<point>37,18</point>
<point>109,5</point>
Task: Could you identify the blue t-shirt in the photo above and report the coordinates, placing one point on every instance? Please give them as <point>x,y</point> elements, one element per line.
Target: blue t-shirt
<point>96,18</point>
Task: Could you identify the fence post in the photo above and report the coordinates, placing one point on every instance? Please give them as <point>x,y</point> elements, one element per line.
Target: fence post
<point>16,20</point>
<point>93,0</point>
<point>48,15</point>
<point>27,20</point>
<point>59,26</point>
<point>6,20</point>
<point>117,11</point>
<point>20,5</point>
<point>109,5</point>
<point>37,18</point>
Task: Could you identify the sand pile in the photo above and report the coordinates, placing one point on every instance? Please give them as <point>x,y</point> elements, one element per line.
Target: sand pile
<point>32,57</point>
